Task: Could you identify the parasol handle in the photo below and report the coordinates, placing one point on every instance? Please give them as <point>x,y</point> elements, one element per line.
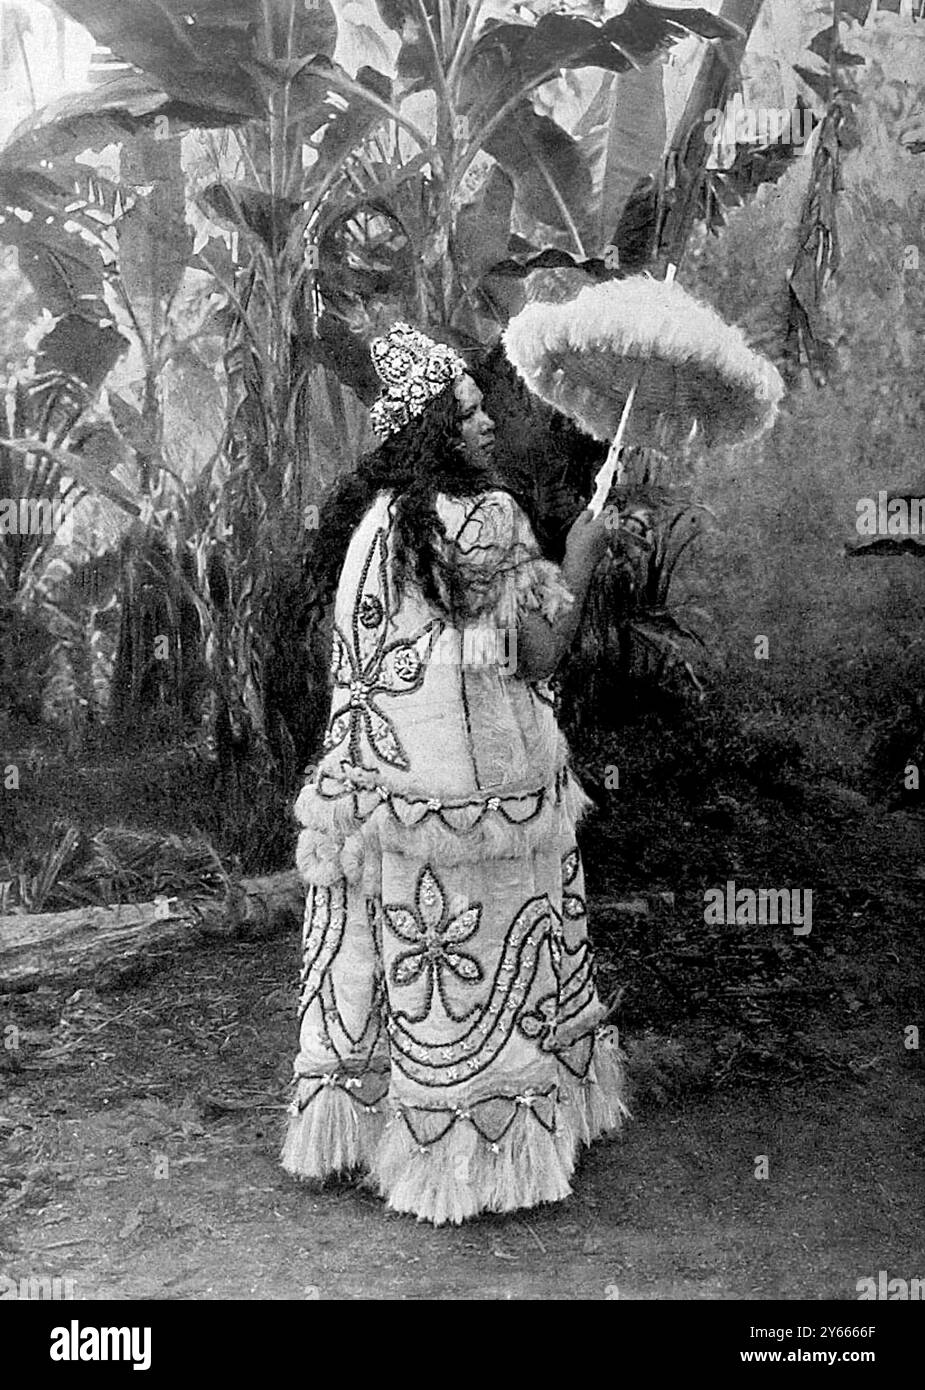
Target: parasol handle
<point>604,479</point>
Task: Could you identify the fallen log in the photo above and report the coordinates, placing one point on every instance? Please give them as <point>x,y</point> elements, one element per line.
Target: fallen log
<point>53,947</point>
<point>49,948</point>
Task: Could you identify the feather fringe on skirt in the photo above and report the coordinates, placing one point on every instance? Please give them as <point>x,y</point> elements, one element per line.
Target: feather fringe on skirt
<point>334,843</point>
<point>461,1174</point>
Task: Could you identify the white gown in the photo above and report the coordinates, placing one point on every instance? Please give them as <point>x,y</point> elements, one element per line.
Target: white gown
<point>450,1038</point>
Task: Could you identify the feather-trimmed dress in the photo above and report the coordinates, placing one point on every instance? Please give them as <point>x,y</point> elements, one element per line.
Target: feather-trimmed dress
<point>450,1031</point>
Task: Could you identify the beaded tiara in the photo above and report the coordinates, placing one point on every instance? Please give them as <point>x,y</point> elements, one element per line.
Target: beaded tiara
<point>413,370</point>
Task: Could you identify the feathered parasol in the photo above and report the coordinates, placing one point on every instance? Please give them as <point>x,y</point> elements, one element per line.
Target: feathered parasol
<point>627,357</point>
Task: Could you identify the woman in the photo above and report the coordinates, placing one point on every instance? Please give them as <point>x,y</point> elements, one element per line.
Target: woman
<point>450,1040</point>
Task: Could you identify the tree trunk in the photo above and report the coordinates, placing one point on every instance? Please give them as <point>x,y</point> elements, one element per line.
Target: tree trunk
<point>52,947</point>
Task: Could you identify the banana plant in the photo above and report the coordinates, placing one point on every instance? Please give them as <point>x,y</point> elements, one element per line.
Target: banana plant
<point>400,189</point>
<point>54,459</point>
<point>505,182</point>
<point>461,117</point>
<point>347,191</point>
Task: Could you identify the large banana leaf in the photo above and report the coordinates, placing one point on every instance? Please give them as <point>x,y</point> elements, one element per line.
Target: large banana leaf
<point>56,239</point>
<point>418,62</point>
<point>622,140</point>
<point>500,60</point>
<point>348,123</point>
<point>578,189</point>
<point>202,52</point>
<point>155,243</point>
<point>552,182</point>
<point>104,115</point>
<point>56,219</point>
<point>630,39</point>
<point>76,231</point>
<point>483,225</point>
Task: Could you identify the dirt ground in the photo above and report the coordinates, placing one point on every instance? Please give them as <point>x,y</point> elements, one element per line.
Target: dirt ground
<point>141,1116</point>
<point>190,1065</point>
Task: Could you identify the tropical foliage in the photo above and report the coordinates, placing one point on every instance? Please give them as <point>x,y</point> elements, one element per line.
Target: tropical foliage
<point>213,229</point>
<point>303,180</point>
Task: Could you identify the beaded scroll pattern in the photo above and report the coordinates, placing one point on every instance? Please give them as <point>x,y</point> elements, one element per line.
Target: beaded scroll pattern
<point>366,666</point>
<point>555,1020</point>
<point>359,1063</point>
<point>561,1022</point>
<point>356,1050</point>
<point>436,939</point>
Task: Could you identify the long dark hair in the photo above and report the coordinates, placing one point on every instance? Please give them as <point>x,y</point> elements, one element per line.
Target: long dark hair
<point>427,457</point>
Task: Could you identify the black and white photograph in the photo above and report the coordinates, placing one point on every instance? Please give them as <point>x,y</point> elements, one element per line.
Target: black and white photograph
<point>462,679</point>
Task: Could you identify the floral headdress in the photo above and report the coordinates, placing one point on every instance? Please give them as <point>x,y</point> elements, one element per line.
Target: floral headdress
<point>414,370</point>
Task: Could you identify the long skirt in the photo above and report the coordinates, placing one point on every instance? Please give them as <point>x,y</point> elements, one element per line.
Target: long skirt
<point>451,1039</point>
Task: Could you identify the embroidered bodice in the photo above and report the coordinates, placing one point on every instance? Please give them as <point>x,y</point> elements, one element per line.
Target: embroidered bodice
<point>423,707</point>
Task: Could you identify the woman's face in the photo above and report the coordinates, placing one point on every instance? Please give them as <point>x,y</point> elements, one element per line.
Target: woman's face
<point>478,428</point>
